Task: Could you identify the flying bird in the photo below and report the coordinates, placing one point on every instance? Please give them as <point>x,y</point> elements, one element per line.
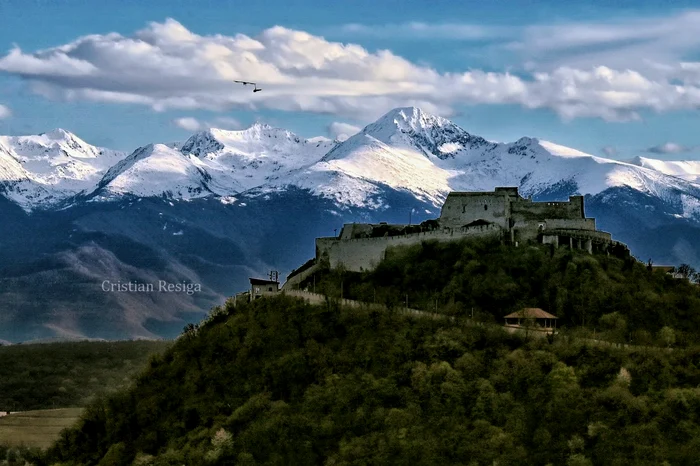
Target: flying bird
<point>245,83</point>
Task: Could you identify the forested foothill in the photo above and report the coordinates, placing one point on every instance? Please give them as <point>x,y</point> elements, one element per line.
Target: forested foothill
<point>279,381</point>
<point>69,374</point>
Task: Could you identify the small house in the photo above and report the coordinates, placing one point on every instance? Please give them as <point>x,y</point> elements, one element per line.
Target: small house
<point>532,317</point>
<point>259,288</point>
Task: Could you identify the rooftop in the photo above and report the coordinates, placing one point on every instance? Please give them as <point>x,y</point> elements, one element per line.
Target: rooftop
<point>258,281</point>
<point>530,313</point>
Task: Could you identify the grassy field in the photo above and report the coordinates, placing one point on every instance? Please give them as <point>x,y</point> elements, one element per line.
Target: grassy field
<point>36,428</point>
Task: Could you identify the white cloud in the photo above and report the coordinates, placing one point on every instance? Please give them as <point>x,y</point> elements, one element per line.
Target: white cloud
<point>166,66</point>
<point>227,123</point>
<point>633,42</point>
<point>670,148</point>
<point>193,124</point>
<point>609,151</point>
<point>420,30</point>
<point>655,44</point>
<point>188,123</point>
<point>5,112</point>
<point>342,131</point>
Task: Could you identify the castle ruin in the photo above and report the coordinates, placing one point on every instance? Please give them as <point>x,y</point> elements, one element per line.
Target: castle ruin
<point>502,214</point>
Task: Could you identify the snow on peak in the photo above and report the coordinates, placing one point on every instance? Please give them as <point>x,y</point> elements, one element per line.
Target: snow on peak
<point>156,170</point>
<point>429,156</point>
<point>405,120</point>
<point>216,140</point>
<point>215,161</point>
<point>54,166</point>
<point>411,127</point>
<point>202,143</point>
<point>58,134</point>
<point>688,170</point>
<point>406,149</point>
<point>412,118</point>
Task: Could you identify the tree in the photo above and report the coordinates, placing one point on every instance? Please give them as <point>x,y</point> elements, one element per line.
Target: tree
<point>668,336</point>
<point>686,271</point>
<point>616,326</point>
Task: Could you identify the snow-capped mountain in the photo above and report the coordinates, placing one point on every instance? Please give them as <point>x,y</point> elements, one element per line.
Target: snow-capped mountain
<point>256,199</point>
<point>406,150</point>
<point>688,170</point>
<point>154,170</point>
<point>429,156</point>
<point>213,162</point>
<point>45,169</point>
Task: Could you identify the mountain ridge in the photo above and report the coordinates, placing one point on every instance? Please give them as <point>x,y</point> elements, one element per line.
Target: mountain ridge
<point>223,206</point>
<point>226,163</point>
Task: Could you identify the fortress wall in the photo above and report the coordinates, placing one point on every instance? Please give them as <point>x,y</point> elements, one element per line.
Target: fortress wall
<point>462,208</point>
<point>312,298</point>
<point>529,230</point>
<point>598,236</point>
<point>351,230</point>
<point>300,277</point>
<point>549,223</point>
<point>534,211</point>
<point>316,298</point>
<point>579,223</point>
<point>365,253</point>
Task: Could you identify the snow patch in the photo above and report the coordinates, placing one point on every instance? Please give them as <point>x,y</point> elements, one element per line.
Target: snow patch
<point>449,147</point>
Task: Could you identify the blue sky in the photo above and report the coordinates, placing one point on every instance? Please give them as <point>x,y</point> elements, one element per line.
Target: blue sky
<point>617,78</point>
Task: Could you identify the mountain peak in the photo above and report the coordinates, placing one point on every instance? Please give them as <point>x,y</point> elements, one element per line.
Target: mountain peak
<point>432,135</point>
<point>215,140</point>
<point>260,125</point>
<point>57,133</point>
<point>203,142</point>
<point>410,118</point>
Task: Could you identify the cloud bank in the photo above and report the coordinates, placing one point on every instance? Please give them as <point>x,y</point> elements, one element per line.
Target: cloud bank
<point>671,148</point>
<point>166,66</point>
<point>188,123</point>
<point>342,131</point>
<point>192,124</point>
<point>5,112</point>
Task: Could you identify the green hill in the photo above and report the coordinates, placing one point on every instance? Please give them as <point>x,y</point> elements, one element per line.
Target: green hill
<point>621,298</point>
<point>278,381</point>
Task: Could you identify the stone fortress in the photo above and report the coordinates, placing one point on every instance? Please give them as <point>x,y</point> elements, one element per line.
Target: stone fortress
<point>502,214</point>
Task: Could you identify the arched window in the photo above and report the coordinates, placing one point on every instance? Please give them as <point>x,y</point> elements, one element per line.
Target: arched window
<point>486,207</point>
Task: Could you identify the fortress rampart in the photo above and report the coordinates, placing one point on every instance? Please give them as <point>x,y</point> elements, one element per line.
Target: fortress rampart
<point>502,213</point>
<point>358,254</point>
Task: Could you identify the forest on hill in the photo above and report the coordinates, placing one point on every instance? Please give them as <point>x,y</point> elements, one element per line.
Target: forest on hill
<point>279,381</point>
<point>621,300</point>
<point>69,374</point>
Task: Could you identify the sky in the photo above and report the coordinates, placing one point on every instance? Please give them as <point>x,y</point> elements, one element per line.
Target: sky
<point>616,79</point>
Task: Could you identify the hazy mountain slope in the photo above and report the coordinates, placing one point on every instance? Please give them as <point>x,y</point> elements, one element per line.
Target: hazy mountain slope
<point>51,277</point>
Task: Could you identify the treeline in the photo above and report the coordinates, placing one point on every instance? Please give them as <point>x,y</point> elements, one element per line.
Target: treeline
<point>281,382</point>
<point>618,299</point>
<point>59,375</point>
